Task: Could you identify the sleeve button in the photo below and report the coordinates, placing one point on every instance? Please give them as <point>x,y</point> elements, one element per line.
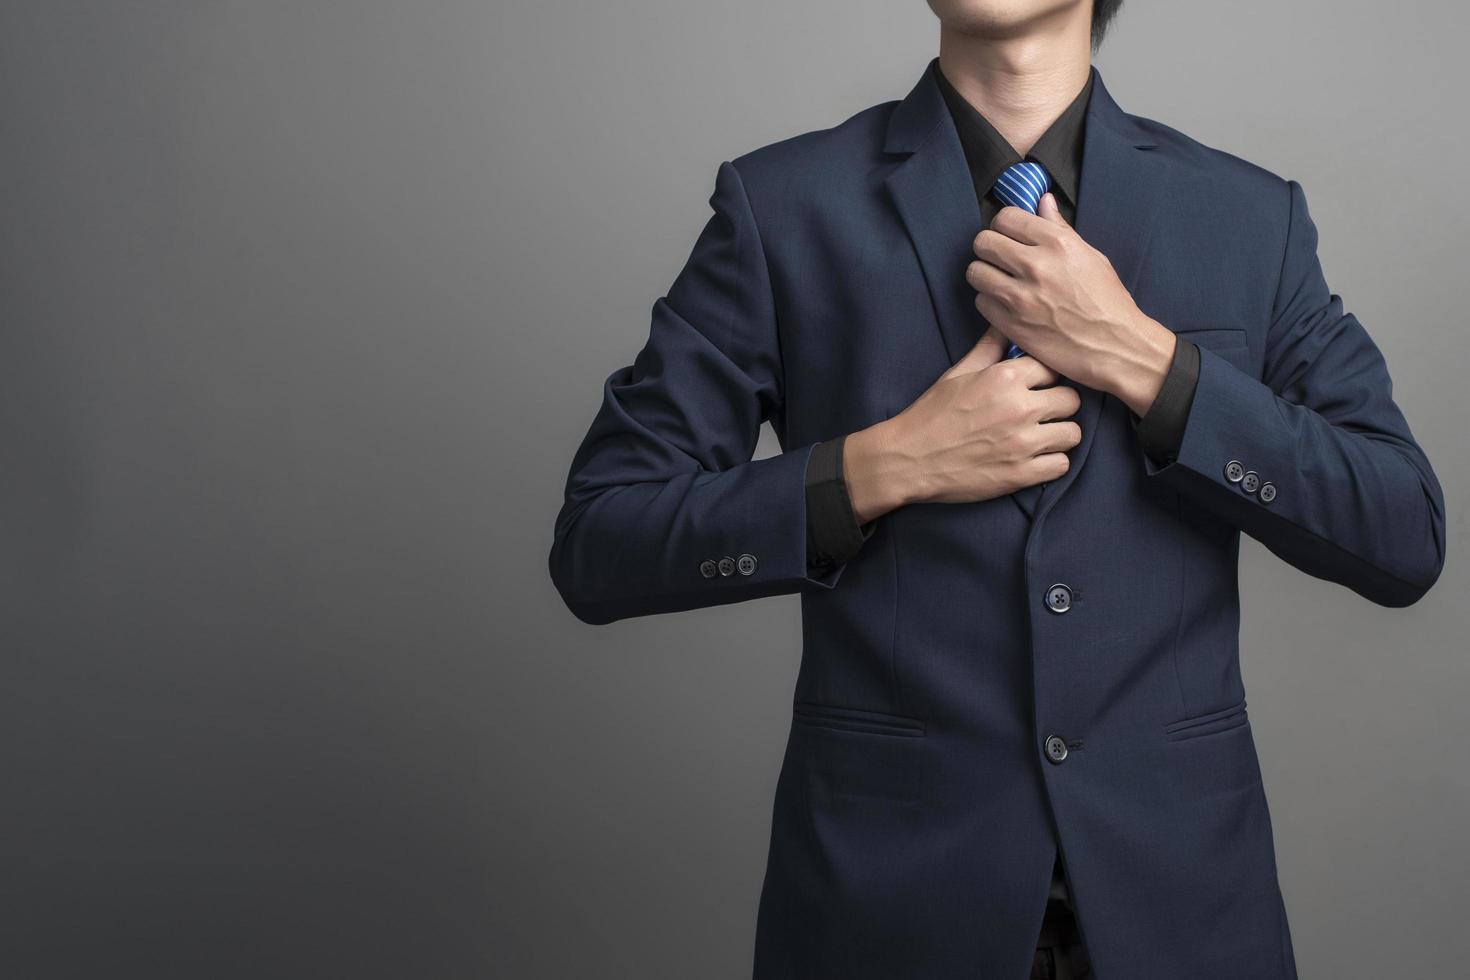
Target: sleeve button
<point>708,569</point>
<point>745,564</point>
<point>727,566</point>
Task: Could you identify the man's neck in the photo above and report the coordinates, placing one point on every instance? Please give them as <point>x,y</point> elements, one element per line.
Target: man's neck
<point>1020,84</point>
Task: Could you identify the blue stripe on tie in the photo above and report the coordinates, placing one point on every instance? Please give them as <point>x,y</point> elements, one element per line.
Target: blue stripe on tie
<point>1032,181</point>
<point>1022,184</point>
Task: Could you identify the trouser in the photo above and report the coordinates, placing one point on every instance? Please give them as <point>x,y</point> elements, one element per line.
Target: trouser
<point>1060,954</point>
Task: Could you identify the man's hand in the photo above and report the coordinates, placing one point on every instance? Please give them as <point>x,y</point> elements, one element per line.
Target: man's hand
<point>1060,300</point>
<point>985,428</point>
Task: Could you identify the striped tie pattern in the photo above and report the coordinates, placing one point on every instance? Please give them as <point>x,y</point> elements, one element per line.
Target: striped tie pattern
<point>1022,184</point>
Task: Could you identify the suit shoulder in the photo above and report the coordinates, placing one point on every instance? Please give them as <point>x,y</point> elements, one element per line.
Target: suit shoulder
<point>1229,173</point>
<point>821,154</point>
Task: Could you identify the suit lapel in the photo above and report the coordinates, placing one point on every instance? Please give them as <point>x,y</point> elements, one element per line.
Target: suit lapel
<point>935,198</point>
<point>1118,194</point>
<point>1122,182</point>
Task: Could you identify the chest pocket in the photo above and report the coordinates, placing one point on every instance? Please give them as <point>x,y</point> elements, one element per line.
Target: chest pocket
<point>1228,342</point>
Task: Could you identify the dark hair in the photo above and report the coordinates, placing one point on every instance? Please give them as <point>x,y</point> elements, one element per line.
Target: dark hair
<point>1103,12</point>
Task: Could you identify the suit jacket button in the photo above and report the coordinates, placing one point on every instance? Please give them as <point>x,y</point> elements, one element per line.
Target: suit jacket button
<point>1056,749</point>
<point>708,568</point>
<point>1234,471</point>
<point>1267,493</point>
<point>745,564</point>
<point>1059,598</point>
<point>1251,481</point>
<point>727,565</point>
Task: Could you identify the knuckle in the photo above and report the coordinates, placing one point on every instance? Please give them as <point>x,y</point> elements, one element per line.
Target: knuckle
<point>1017,446</point>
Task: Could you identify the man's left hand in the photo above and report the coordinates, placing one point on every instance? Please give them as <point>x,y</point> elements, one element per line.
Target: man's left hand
<point>1059,300</point>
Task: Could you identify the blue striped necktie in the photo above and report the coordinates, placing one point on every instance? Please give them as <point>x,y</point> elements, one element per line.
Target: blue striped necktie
<point>1022,184</point>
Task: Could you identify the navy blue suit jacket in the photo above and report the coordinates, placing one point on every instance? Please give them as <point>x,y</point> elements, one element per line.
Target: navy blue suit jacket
<point>918,811</point>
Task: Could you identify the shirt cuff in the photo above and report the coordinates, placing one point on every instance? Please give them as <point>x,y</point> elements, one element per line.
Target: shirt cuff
<point>1161,429</point>
<point>833,534</point>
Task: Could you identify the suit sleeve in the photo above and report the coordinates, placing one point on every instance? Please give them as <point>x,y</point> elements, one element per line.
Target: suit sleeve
<point>1161,429</point>
<point>1327,474</point>
<point>664,509</point>
<point>833,534</point>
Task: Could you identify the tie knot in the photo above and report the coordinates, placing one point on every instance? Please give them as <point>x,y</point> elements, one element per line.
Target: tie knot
<point>1022,184</point>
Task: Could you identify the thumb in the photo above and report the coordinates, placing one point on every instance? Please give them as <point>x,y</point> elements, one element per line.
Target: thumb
<point>1048,209</point>
<point>989,349</point>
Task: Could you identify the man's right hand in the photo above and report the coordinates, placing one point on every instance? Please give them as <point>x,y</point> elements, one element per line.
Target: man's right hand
<point>986,428</point>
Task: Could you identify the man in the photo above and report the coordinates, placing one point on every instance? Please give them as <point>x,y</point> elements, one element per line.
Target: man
<point>1034,363</point>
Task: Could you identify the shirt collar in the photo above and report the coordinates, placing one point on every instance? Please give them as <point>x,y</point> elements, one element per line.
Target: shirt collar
<point>988,154</point>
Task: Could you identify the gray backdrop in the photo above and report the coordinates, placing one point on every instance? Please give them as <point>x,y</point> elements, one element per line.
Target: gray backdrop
<point>304,307</point>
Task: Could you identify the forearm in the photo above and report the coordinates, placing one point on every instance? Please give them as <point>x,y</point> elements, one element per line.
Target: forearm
<point>880,475</point>
<point>1346,504</point>
<point>631,545</point>
<point>1137,363</point>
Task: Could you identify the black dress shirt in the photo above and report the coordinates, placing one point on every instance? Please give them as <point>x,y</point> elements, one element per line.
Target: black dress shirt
<point>833,533</point>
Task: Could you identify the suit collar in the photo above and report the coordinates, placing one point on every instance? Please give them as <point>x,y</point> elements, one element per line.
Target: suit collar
<point>1122,181</point>
<point>988,153</point>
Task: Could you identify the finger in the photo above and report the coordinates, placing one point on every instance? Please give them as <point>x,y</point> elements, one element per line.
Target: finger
<point>1022,226</point>
<point>1057,437</point>
<point>989,349</point>
<point>1044,468</point>
<point>1000,251</point>
<point>1057,402</point>
<point>989,279</point>
<point>1049,210</point>
<point>1033,373</point>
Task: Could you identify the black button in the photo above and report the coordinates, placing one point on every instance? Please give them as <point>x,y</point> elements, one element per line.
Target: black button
<point>1056,749</point>
<point>1059,598</point>
<point>1267,493</point>
<point>745,564</point>
<point>1234,470</point>
<point>727,565</point>
<point>1251,481</point>
<point>708,568</point>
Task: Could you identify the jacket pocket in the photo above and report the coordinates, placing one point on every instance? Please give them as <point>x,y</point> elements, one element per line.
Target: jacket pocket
<point>1229,343</point>
<point>857,764</point>
<point>1221,720</point>
<point>1215,338</point>
<point>857,720</point>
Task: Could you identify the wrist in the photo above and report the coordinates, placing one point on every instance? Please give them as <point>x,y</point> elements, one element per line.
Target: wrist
<point>877,475</point>
<point>1137,370</point>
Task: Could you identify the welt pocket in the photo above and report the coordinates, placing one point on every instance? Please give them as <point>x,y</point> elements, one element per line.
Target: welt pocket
<point>1215,338</point>
<point>1220,720</point>
<point>857,720</point>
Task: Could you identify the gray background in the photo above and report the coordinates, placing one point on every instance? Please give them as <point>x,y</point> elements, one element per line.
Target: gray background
<point>304,307</point>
